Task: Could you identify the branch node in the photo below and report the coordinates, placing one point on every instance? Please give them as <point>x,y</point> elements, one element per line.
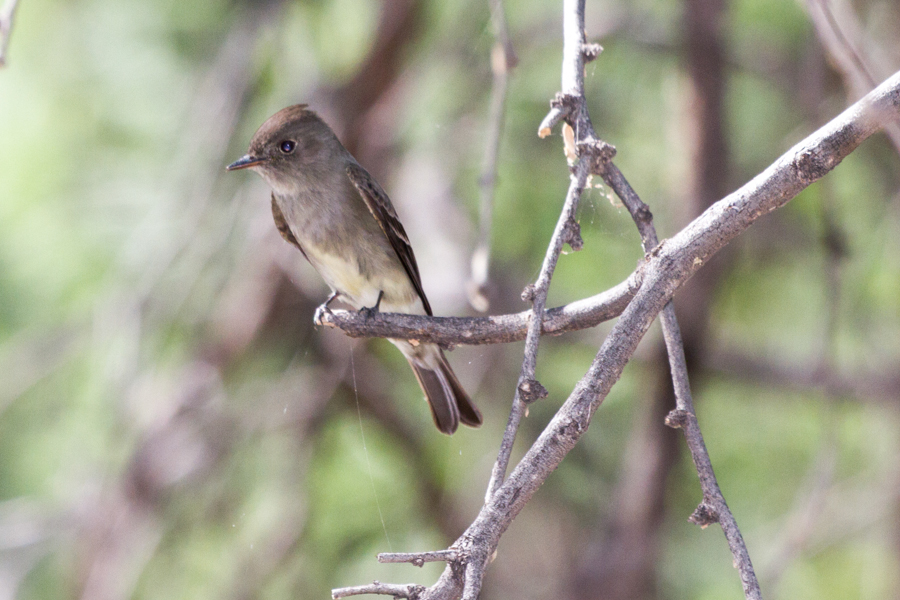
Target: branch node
<point>677,419</point>
<point>415,591</point>
<point>568,103</point>
<point>561,107</point>
<point>811,166</point>
<point>704,516</point>
<point>531,390</point>
<point>657,248</point>
<point>418,559</point>
<point>528,293</point>
<point>599,153</point>
<point>644,214</point>
<point>591,52</point>
<point>572,235</point>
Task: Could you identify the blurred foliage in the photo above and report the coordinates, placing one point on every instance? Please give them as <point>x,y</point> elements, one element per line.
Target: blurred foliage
<point>134,459</point>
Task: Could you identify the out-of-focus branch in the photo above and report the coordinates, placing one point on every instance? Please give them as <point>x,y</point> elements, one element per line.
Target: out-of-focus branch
<point>399,26</point>
<point>503,60</point>
<point>841,34</point>
<point>7,14</point>
<point>498,329</point>
<point>119,531</point>
<point>27,358</point>
<point>882,387</point>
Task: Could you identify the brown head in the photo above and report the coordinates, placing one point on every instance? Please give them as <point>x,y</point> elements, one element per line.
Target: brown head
<point>292,145</point>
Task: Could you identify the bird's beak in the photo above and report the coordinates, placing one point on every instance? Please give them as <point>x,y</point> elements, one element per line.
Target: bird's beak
<point>245,162</point>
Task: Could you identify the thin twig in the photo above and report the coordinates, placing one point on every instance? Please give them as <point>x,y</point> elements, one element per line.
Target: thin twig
<point>413,591</point>
<point>714,508</point>
<point>503,60</point>
<point>418,559</point>
<point>556,114</point>
<point>7,14</point>
<point>528,388</point>
<point>684,416</point>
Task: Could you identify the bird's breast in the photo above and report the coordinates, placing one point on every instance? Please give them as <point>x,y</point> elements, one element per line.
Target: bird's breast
<point>345,245</point>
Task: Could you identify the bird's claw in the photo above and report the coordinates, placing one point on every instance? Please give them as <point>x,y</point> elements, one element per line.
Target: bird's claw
<point>370,312</point>
<point>321,311</point>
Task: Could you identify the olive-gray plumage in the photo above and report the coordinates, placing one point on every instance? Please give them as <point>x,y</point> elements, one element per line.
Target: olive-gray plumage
<point>328,206</point>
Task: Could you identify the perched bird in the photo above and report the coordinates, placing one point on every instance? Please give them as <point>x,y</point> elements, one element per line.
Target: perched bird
<point>330,208</point>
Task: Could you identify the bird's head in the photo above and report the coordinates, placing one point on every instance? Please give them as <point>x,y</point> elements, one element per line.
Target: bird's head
<point>291,146</point>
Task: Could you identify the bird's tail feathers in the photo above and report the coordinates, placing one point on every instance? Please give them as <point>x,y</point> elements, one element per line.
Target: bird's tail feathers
<point>449,402</point>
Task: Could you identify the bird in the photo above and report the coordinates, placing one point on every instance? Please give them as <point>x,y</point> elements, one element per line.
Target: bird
<point>344,224</point>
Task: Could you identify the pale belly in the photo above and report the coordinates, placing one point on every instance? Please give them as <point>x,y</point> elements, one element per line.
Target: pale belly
<point>362,290</point>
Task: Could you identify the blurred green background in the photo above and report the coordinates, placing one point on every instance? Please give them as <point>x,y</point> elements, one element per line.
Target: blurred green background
<point>173,426</point>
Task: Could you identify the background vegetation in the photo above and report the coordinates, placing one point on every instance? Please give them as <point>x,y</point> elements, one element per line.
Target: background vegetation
<point>173,426</point>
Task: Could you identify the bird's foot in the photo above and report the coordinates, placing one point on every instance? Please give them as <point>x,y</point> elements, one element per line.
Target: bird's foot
<point>323,309</point>
<point>331,299</point>
<point>371,311</point>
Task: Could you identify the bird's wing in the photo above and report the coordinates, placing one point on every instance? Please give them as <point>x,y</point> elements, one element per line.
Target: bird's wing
<point>283,228</point>
<point>381,208</point>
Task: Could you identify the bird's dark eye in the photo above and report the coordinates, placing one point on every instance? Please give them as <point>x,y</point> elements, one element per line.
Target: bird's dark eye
<point>287,146</point>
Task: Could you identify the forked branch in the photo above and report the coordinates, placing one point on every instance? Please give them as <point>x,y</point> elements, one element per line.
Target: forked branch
<point>667,266</point>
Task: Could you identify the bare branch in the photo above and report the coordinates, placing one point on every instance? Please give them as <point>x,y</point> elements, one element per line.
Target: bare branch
<point>7,14</point>
<point>418,559</point>
<point>881,387</point>
<point>413,591</point>
<point>556,114</point>
<point>713,508</point>
<point>498,329</point>
<point>503,60</point>
<point>572,84</point>
<point>541,287</point>
<point>666,268</point>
